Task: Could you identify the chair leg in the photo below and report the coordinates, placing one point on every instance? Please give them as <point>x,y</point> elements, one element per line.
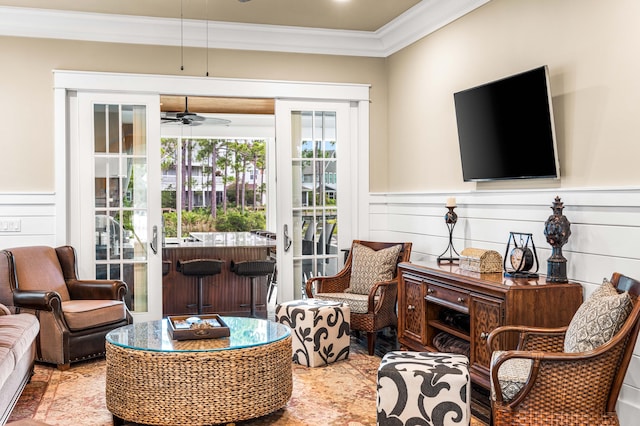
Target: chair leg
<point>371,342</point>
<point>200,296</point>
<point>253,297</point>
<point>64,367</point>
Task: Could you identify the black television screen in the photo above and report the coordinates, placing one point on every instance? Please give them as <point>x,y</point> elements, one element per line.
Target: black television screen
<point>506,130</point>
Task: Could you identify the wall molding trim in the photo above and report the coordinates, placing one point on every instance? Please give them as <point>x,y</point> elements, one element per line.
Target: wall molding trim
<point>614,196</point>
<point>34,212</point>
<point>605,224</point>
<point>7,198</point>
<point>421,20</point>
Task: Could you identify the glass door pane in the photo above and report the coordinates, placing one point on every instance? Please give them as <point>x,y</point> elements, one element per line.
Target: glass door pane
<point>313,190</point>
<point>316,206</point>
<point>120,200</point>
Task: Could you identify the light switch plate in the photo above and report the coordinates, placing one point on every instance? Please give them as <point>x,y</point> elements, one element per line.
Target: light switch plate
<point>8,224</point>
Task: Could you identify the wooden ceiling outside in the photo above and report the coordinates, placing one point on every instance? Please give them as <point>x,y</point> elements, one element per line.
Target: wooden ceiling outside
<point>200,104</point>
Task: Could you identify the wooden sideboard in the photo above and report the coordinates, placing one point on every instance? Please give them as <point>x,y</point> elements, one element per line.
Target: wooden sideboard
<point>429,294</point>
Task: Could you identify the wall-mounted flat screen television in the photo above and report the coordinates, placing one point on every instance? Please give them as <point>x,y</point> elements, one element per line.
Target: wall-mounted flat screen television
<point>506,129</point>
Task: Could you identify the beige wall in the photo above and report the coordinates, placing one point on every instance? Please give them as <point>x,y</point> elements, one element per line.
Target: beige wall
<point>591,49</point>
<point>26,79</point>
<point>589,46</point>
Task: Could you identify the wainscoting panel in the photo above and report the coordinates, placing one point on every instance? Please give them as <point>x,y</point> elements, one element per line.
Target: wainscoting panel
<point>605,234</point>
<point>30,220</point>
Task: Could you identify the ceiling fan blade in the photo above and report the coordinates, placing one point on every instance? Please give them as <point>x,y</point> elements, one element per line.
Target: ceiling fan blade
<point>214,121</point>
<point>194,117</point>
<point>191,119</point>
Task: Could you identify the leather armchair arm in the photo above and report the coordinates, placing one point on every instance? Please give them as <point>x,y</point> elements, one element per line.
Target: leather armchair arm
<point>38,300</point>
<point>97,289</point>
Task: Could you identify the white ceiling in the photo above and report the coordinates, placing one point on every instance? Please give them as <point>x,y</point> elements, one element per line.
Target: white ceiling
<point>360,15</point>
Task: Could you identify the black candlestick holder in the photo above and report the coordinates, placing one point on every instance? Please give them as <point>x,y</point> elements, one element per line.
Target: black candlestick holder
<point>450,219</point>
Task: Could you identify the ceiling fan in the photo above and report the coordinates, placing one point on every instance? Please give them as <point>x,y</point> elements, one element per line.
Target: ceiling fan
<point>189,118</point>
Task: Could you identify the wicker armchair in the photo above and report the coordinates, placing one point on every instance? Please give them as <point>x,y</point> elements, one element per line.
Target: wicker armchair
<point>370,312</point>
<point>577,388</point>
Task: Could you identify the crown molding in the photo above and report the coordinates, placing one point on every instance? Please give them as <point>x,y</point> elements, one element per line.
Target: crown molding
<point>418,22</point>
<point>421,20</point>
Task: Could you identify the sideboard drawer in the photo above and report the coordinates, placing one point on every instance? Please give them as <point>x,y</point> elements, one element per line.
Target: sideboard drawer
<point>453,298</point>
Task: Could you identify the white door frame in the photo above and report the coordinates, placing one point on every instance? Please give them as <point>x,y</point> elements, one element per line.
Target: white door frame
<point>68,81</point>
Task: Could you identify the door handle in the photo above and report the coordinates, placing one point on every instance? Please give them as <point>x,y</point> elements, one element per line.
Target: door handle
<point>287,240</point>
<point>154,240</point>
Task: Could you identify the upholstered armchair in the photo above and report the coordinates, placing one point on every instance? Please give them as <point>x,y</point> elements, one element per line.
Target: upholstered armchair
<point>368,283</point>
<point>75,315</point>
<point>570,375</point>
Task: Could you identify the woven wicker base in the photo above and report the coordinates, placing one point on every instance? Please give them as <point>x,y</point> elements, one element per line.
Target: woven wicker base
<point>528,418</point>
<point>198,388</point>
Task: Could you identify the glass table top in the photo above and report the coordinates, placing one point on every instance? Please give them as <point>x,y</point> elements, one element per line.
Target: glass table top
<point>155,336</point>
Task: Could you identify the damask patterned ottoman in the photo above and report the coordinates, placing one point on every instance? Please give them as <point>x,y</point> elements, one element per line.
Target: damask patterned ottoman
<point>422,388</point>
<point>320,330</point>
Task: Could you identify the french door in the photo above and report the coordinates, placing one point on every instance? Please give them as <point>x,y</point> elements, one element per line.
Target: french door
<point>314,191</point>
<point>81,166</point>
<point>116,215</point>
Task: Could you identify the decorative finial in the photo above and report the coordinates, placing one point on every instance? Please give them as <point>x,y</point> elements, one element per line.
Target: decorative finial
<point>557,229</point>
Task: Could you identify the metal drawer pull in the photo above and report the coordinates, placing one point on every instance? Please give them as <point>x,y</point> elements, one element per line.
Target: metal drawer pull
<point>484,335</point>
<point>430,291</point>
<point>460,299</point>
<point>411,308</point>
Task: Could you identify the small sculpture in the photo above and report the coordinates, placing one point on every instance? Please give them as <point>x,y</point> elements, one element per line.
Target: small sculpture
<point>557,229</point>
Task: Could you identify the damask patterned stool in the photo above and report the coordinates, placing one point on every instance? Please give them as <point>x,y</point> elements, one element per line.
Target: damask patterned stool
<point>424,388</point>
<point>320,330</point>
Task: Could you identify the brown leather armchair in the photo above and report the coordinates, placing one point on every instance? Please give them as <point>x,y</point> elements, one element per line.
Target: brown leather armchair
<point>75,315</point>
<point>372,310</point>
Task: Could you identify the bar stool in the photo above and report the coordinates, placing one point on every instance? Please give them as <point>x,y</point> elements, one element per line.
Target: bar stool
<point>166,267</point>
<point>272,288</point>
<point>200,268</point>
<point>253,269</point>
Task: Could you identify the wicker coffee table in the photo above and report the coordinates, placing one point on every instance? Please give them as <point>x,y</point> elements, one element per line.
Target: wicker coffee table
<point>152,379</point>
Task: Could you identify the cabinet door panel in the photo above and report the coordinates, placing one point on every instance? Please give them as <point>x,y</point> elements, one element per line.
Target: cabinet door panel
<point>413,309</point>
<point>487,314</point>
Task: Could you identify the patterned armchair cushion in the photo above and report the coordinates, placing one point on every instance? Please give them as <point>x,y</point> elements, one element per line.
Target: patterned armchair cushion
<point>512,376</point>
<point>369,266</point>
<point>359,303</point>
<point>598,319</point>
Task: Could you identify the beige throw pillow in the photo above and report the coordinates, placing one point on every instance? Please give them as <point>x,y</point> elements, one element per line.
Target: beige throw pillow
<point>369,266</point>
<point>598,319</point>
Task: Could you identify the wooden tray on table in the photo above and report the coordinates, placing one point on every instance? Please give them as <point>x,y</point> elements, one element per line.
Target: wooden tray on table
<point>191,327</point>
